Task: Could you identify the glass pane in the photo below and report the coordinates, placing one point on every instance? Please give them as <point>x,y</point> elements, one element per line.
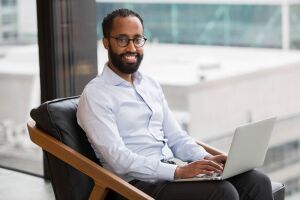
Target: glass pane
<point>19,85</point>
<point>217,71</point>
<point>207,24</point>
<point>295,26</point>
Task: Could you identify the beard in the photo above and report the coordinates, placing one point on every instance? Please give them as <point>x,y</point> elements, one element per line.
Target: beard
<point>127,68</point>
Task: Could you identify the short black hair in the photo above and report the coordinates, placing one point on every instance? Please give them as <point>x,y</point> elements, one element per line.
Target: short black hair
<point>108,20</point>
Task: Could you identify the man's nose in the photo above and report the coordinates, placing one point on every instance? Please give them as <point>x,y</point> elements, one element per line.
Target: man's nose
<point>131,47</point>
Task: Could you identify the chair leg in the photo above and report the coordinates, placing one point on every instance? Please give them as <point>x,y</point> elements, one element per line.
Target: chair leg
<point>98,193</point>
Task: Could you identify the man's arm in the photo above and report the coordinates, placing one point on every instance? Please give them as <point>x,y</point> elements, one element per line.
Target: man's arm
<point>185,148</point>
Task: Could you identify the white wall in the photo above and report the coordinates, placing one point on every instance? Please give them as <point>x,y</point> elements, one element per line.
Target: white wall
<point>218,106</point>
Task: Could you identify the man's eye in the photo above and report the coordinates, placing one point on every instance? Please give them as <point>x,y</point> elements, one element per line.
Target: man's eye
<point>123,40</point>
<point>138,40</point>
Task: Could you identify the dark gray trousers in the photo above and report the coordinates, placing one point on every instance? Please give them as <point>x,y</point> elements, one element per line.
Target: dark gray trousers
<point>251,185</point>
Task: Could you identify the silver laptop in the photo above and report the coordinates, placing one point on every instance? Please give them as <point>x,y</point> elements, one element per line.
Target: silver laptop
<point>247,151</point>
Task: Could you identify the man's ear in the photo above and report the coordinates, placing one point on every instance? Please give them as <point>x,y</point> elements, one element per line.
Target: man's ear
<point>105,43</point>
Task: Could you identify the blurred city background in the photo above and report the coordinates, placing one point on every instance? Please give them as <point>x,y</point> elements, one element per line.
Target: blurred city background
<point>221,64</point>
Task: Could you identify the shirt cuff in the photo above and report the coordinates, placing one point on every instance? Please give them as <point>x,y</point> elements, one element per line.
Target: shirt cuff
<point>166,171</point>
<point>200,154</point>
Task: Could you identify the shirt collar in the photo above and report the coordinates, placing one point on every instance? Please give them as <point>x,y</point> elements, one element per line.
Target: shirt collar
<point>112,78</point>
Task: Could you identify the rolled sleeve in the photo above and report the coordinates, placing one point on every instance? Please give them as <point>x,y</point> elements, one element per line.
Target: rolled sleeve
<point>166,171</point>
<point>198,155</point>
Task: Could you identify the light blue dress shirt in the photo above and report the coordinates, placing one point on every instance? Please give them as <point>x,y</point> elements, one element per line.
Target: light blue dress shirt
<point>131,128</point>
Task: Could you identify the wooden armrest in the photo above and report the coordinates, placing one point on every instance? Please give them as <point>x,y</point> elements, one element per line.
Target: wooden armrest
<point>210,149</point>
<point>103,178</point>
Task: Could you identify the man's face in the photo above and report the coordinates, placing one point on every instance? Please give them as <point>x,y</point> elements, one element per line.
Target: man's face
<point>126,59</point>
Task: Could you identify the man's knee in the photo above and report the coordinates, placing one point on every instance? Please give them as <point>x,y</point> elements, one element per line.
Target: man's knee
<point>259,178</point>
<point>258,185</point>
<point>226,190</point>
<point>264,185</point>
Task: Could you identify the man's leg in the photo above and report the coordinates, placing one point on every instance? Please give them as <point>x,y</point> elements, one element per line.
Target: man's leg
<point>252,185</point>
<point>198,190</point>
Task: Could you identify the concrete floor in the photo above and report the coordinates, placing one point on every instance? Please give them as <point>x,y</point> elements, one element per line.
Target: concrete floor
<point>15,185</point>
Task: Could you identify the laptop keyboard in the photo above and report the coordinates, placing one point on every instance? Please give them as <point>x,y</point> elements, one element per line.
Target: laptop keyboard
<point>214,175</point>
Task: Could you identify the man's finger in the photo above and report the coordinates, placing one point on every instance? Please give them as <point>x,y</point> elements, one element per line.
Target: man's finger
<point>203,163</point>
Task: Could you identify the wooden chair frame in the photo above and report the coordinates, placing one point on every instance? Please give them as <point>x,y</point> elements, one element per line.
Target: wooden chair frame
<point>103,179</point>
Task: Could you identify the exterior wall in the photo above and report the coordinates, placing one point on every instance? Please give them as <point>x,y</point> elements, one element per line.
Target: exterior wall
<point>218,106</point>
<point>177,97</point>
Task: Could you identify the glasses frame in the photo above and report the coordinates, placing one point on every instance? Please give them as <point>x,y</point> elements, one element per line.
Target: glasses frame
<point>128,40</point>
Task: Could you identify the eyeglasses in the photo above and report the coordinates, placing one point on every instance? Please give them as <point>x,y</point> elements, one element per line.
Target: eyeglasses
<point>123,41</point>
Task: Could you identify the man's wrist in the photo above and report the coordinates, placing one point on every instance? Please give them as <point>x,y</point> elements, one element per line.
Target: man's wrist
<point>208,156</point>
<point>177,174</point>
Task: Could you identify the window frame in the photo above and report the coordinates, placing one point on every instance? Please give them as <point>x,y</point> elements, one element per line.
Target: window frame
<point>67,42</point>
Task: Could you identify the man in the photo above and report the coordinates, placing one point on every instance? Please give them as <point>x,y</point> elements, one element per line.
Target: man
<point>129,125</point>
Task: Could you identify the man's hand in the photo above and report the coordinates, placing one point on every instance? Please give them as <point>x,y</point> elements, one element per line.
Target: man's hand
<point>208,165</point>
<point>220,159</point>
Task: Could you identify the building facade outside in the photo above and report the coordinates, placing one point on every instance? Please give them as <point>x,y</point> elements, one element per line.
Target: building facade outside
<point>8,20</point>
<point>262,24</point>
<point>18,24</point>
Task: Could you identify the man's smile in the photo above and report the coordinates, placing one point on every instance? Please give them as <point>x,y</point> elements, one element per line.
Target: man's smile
<point>130,58</point>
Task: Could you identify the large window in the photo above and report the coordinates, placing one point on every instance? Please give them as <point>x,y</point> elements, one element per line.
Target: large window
<point>19,85</point>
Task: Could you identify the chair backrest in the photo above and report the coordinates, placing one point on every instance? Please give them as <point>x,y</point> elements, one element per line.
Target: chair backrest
<point>58,119</point>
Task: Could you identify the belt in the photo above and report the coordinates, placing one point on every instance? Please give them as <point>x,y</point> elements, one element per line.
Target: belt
<point>168,161</point>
